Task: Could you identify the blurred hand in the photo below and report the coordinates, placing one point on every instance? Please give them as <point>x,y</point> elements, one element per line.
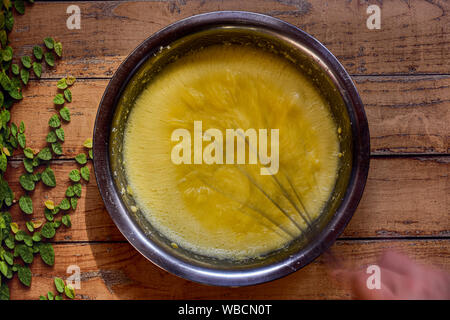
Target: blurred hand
<point>401,278</point>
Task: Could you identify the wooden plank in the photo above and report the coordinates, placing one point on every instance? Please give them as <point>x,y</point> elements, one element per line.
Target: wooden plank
<point>403,197</point>
<point>118,271</point>
<point>406,115</point>
<point>413,38</point>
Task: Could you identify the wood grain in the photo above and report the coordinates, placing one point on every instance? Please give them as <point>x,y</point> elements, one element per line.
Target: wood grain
<point>403,197</point>
<point>414,35</point>
<point>405,114</point>
<point>118,271</point>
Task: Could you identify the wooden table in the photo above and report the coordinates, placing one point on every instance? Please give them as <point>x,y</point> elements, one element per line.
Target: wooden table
<point>402,72</point>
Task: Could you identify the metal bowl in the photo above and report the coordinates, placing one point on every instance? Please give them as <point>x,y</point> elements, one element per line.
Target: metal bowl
<point>244,28</point>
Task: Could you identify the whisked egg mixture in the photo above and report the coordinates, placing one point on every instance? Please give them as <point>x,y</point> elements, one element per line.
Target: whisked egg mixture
<point>231,210</point>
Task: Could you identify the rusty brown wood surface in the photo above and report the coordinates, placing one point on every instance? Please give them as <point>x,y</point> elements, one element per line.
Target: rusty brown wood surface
<point>402,72</point>
<point>117,271</point>
<point>413,39</point>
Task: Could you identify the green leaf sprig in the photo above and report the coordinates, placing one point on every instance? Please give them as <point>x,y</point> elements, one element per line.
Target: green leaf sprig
<point>61,289</point>
<point>18,247</point>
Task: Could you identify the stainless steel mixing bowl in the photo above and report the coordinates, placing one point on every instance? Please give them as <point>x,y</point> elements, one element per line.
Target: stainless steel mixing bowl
<point>266,33</point>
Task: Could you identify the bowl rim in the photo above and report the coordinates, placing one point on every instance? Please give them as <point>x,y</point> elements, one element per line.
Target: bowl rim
<point>132,232</point>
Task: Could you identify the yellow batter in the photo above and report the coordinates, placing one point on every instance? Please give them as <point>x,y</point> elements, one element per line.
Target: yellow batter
<point>225,210</point>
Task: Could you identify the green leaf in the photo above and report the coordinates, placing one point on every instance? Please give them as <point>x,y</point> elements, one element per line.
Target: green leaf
<point>49,58</point>
<point>65,113</point>
<point>45,154</point>
<point>59,298</point>
<point>4,291</point>
<point>25,76</point>
<point>47,253</point>
<point>70,293</point>
<point>77,189</point>
<point>88,143</point>
<point>64,205</point>
<point>49,42</point>
<point>66,221</point>
<point>9,258</point>
<point>81,158</point>
<point>28,240</point>
<point>59,99</point>
<point>28,164</point>
<point>20,235</point>
<point>13,126</point>
<point>37,68</point>
<point>69,192</point>
<point>37,237</point>
<point>9,22</point>
<point>15,69</point>
<point>74,175</point>
<point>5,116</point>
<point>57,148</point>
<point>10,241</point>
<point>59,284</point>
<point>28,152</point>
<point>26,61</point>
<point>20,6</point>
<point>48,214</point>
<point>5,81</point>
<point>2,20</point>
<point>57,223</point>
<point>3,38</point>
<point>30,226</point>
<point>91,154</point>
<point>3,268</point>
<point>26,182</point>
<point>3,162</point>
<point>50,295</point>
<point>36,176</point>
<point>42,298</point>
<point>54,121</point>
<point>25,252</point>
<point>68,95</point>
<point>15,93</point>
<point>51,137</point>
<point>48,231</point>
<point>15,84</point>
<point>60,133</point>
<point>2,25</point>
<point>70,80</point>
<point>48,177</point>
<point>14,227</point>
<point>36,162</point>
<point>21,127</point>
<point>21,139</point>
<point>7,54</point>
<point>38,52</point>
<point>61,84</point>
<point>74,203</point>
<point>85,173</point>
<point>58,48</point>
<point>24,274</point>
